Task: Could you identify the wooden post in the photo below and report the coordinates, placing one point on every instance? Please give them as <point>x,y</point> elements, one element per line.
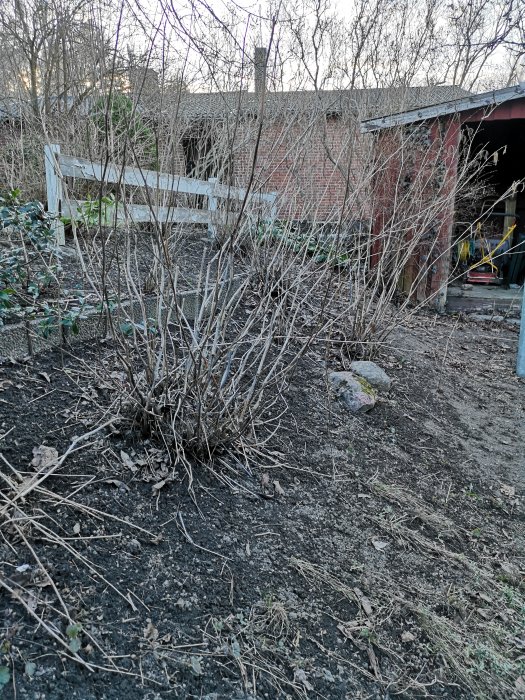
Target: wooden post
<point>510,214</point>
<point>273,207</point>
<point>54,190</point>
<point>212,208</point>
<point>520,362</point>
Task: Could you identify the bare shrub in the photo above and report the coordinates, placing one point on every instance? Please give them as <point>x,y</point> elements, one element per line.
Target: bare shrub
<point>207,381</point>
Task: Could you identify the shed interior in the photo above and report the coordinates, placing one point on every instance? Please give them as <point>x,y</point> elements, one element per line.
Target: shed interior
<point>490,232</point>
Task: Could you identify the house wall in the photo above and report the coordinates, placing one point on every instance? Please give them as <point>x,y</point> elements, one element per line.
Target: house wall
<point>316,164</point>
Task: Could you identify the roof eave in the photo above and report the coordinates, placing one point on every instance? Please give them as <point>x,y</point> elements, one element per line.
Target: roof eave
<point>471,102</point>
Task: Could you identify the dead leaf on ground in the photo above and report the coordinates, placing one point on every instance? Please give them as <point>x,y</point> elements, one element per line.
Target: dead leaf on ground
<point>157,487</point>
<point>509,568</point>
<point>374,663</point>
<point>407,637</point>
<point>46,376</point>
<point>151,633</point>
<point>363,602</point>
<point>351,628</point>
<point>279,491</point>
<point>127,461</point>
<point>507,490</point>
<point>118,483</point>
<point>379,544</point>
<point>44,457</point>
<point>300,677</point>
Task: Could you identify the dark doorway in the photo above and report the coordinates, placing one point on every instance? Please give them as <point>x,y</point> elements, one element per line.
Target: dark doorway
<point>493,228</point>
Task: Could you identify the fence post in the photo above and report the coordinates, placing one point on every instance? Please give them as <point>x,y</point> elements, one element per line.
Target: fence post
<point>212,208</point>
<point>54,190</point>
<point>273,207</point>
<point>520,364</point>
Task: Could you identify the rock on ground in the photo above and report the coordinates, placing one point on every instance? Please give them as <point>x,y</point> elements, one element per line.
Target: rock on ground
<point>355,392</point>
<point>374,375</point>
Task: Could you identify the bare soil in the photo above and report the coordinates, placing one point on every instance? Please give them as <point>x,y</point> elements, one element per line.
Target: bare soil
<point>392,566</point>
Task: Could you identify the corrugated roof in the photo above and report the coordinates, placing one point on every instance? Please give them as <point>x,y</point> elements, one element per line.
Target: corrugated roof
<point>462,103</point>
<point>200,105</point>
<point>367,102</point>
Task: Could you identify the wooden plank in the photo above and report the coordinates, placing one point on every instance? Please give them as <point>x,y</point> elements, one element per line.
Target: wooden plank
<point>71,166</point>
<point>212,209</point>
<point>141,213</point>
<point>87,170</point>
<point>82,168</point>
<point>54,191</point>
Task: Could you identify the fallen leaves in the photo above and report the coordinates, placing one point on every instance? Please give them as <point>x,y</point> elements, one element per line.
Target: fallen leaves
<point>278,489</point>
<point>378,544</point>
<point>153,464</point>
<point>150,632</point>
<point>300,677</point>
<point>363,602</point>
<point>508,491</point>
<point>271,489</point>
<point>44,457</point>
<point>118,483</point>
<point>127,461</point>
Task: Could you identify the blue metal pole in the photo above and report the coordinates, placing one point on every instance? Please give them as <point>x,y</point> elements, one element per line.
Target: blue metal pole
<point>520,365</point>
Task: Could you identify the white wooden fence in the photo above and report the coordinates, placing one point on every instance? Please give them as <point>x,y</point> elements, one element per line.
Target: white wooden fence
<point>59,166</point>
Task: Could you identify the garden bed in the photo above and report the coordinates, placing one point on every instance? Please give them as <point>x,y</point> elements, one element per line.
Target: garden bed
<point>387,560</point>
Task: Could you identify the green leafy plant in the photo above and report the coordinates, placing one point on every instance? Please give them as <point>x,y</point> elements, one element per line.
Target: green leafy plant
<point>30,263</point>
<point>5,676</point>
<point>323,250</point>
<point>127,126</point>
<point>93,212</point>
<point>30,260</point>
<point>73,633</point>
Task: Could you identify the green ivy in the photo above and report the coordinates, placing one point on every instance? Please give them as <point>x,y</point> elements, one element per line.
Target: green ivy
<point>321,251</point>
<point>30,260</point>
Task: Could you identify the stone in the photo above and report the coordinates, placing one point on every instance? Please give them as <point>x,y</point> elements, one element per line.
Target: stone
<point>486,318</point>
<point>374,375</point>
<point>355,392</point>
<point>14,341</point>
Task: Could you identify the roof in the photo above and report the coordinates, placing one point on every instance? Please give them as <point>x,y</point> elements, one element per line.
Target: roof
<point>447,106</point>
<point>12,109</point>
<point>220,105</point>
<point>366,101</point>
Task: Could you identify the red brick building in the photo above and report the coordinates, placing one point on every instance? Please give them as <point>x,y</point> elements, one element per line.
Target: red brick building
<point>307,146</point>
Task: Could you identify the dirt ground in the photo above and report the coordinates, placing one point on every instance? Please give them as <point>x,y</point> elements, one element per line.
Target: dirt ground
<point>392,566</point>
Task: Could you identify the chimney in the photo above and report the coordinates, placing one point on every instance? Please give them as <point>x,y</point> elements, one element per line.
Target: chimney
<point>259,61</point>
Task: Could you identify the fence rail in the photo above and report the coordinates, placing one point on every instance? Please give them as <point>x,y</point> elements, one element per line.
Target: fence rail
<point>59,166</point>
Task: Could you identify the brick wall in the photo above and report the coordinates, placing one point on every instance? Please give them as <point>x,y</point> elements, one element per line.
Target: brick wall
<point>316,164</point>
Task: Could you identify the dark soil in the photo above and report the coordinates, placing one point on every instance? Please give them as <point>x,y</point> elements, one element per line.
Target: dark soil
<point>392,566</point>
<point>189,247</point>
